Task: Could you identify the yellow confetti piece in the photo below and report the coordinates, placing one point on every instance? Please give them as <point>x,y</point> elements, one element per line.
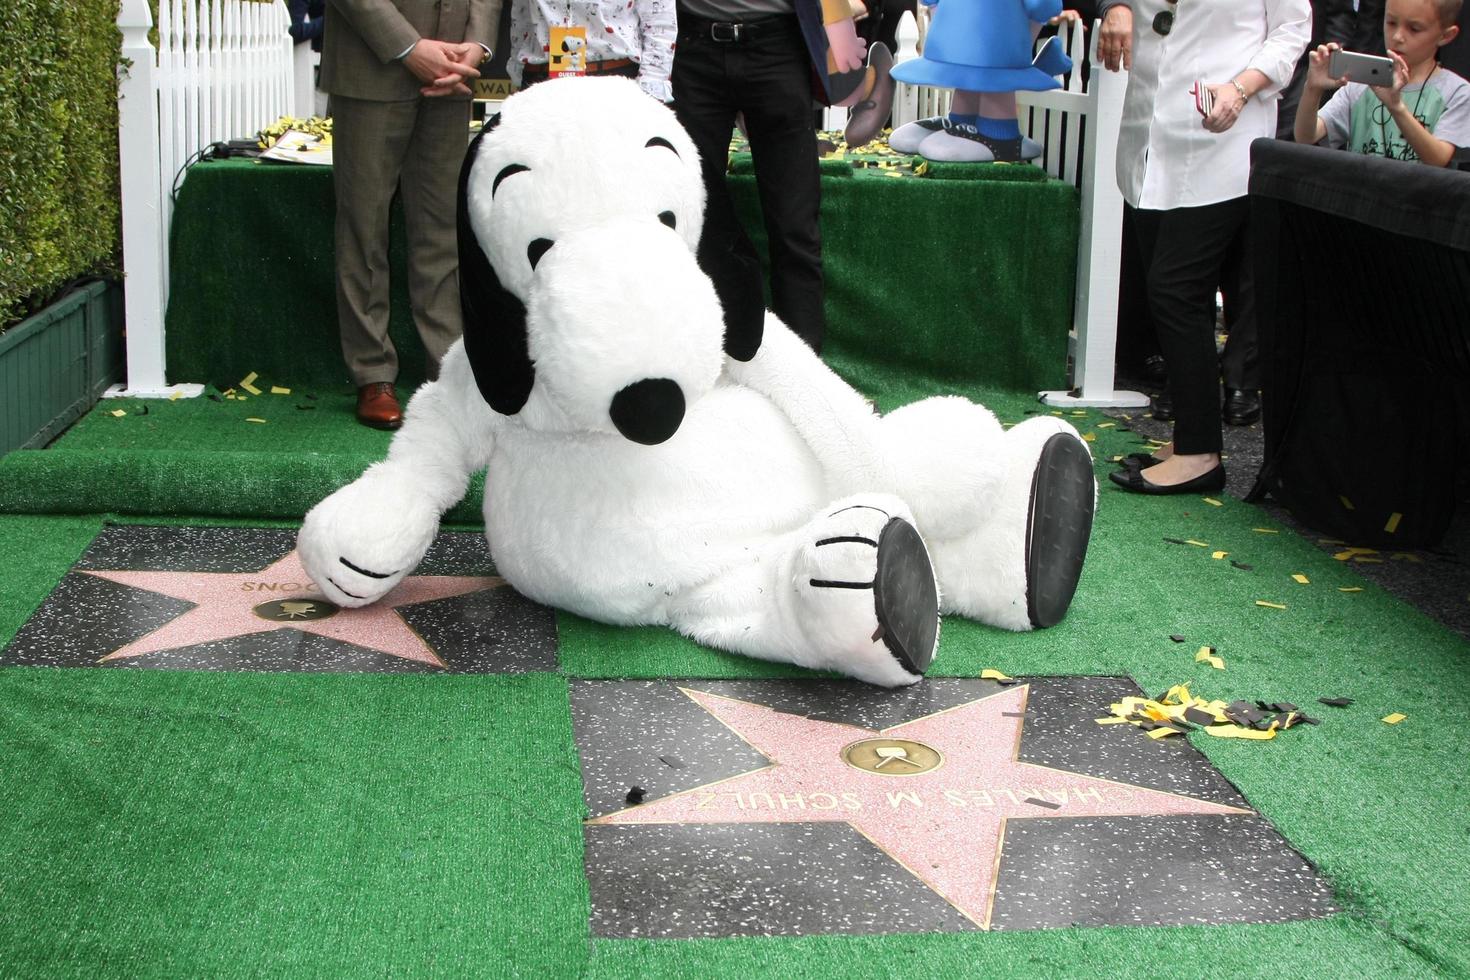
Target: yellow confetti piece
<point>1206,657</point>
<point>1394,718</point>
<point>1270,605</point>
<point>261,421</point>
<point>1080,411</point>
<point>1368,561</point>
<point>1090,437</point>
<point>178,393</point>
<point>1106,425</point>
<point>248,383</point>
<point>1111,721</point>
<point>1234,731</point>
<point>1197,544</point>
<point>1350,588</point>
<point>1159,733</point>
<point>1219,554</point>
<point>1330,541</point>
<point>922,169</point>
<point>991,674</point>
<point>1347,553</point>
<point>117,413</point>
<point>1265,530</point>
<point>1393,522</point>
<point>1212,501</point>
<point>1301,579</point>
<point>1347,503</point>
<point>1117,459</point>
<point>1406,556</point>
<point>1058,412</point>
<point>278,390</point>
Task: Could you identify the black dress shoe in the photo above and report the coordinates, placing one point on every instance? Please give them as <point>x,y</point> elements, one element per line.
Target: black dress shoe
<point>1163,407</point>
<point>1242,406</point>
<point>1135,482</point>
<point>1155,370</point>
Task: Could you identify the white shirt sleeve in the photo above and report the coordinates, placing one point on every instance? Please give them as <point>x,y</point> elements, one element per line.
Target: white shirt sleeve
<point>1288,28</point>
<point>1453,125</point>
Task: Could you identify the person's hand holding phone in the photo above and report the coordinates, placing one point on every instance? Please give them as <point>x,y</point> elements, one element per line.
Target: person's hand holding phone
<point>1317,60</point>
<point>1225,105</point>
<point>1391,95</point>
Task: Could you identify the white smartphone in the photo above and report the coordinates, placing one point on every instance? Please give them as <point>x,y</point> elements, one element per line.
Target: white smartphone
<point>1369,69</point>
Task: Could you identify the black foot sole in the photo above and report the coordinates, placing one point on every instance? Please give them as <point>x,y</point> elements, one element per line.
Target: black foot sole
<point>906,596</point>
<point>1062,495</point>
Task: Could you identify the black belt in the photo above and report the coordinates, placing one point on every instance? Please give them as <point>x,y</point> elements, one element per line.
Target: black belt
<point>734,32</point>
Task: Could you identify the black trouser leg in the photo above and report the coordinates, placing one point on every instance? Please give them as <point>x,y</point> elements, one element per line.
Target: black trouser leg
<point>1183,251</point>
<point>1239,363</point>
<point>767,76</point>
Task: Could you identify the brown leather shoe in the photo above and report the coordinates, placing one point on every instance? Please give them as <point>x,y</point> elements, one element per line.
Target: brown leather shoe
<point>377,406</point>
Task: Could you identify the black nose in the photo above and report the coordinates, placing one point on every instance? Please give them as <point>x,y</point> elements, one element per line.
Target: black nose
<point>648,411</point>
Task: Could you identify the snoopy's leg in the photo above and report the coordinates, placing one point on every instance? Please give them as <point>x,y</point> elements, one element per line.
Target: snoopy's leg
<point>1007,515</point>
<point>852,591</point>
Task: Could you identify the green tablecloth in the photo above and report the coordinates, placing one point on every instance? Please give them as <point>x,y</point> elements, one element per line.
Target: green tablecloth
<point>964,273</point>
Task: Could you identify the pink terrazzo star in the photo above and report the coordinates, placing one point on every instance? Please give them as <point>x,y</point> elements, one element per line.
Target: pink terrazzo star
<point>225,604</point>
<point>945,825</point>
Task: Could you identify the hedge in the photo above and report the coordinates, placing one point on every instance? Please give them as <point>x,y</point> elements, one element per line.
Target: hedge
<point>58,147</point>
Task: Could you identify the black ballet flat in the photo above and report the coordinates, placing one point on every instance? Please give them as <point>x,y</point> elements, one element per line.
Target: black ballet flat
<point>1135,482</point>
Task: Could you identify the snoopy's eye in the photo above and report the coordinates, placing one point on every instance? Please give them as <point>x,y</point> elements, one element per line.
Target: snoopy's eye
<point>667,217</point>
<point>538,248</point>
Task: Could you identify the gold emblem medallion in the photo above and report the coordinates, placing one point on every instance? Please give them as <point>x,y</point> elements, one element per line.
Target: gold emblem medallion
<point>295,610</point>
<point>892,756</point>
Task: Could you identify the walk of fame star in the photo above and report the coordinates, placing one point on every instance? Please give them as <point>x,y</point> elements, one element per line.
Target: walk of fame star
<point>229,605</point>
<point>945,823</point>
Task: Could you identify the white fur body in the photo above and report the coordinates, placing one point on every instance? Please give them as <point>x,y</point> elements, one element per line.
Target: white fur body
<point>776,474</point>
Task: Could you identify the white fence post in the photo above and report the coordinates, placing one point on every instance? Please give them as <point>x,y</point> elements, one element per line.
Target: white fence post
<point>303,68</point>
<point>143,220</point>
<point>1095,316</point>
<point>220,72</point>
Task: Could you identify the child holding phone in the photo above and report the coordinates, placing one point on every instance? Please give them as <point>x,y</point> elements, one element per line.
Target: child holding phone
<point>1423,115</point>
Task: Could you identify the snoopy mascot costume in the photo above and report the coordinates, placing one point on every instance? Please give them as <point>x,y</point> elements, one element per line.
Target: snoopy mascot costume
<point>645,466</point>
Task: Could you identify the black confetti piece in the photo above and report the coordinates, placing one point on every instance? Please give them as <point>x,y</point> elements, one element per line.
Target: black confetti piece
<point>1335,702</point>
<point>306,408</point>
<point>1046,803</point>
<point>215,398</point>
<point>1176,541</point>
<point>635,795</point>
<point>1198,716</point>
<point>1242,565</point>
<point>142,411</point>
<point>672,761</point>
<point>1177,637</point>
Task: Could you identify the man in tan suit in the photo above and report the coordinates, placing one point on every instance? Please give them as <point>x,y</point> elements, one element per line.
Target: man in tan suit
<point>398,73</point>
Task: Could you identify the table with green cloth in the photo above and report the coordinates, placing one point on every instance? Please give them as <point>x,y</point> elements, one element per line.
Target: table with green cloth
<point>962,272</point>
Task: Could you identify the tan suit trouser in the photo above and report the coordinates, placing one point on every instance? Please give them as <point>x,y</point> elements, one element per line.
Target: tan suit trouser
<point>378,148</point>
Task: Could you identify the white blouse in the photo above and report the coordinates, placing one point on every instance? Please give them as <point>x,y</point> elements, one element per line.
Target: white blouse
<point>643,30</point>
<point>1166,158</point>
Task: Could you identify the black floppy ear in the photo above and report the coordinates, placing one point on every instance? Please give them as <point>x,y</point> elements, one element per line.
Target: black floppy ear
<point>495,338</point>
<point>737,280</point>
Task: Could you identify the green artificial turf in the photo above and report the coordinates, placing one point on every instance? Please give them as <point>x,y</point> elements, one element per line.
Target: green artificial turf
<point>968,274</point>
<point>194,823</point>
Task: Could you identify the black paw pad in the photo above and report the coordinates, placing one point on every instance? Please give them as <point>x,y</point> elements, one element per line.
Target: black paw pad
<point>906,597</point>
<point>1057,532</point>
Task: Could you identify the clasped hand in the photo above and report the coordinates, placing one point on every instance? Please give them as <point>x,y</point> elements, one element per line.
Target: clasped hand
<point>444,67</point>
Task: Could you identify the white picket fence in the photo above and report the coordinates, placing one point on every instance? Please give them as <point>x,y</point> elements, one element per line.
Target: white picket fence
<point>1077,127</point>
<point>222,70</point>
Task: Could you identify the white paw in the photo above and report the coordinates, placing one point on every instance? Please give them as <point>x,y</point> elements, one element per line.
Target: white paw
<point>855,619</point>
<point>364,539</point>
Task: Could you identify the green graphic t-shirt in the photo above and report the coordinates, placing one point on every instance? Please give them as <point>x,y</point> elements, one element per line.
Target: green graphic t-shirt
<point>1357,119</point>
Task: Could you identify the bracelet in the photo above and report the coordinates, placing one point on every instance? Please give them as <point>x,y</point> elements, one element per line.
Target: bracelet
<point>1241,89</point>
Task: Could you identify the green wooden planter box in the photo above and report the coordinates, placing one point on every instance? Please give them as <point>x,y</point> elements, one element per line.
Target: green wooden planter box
<point>55,365</point>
